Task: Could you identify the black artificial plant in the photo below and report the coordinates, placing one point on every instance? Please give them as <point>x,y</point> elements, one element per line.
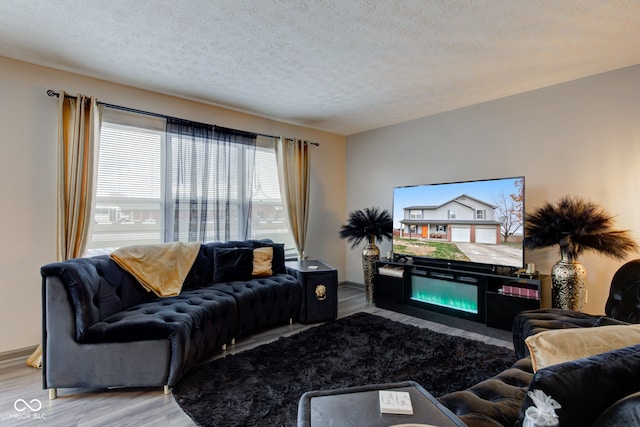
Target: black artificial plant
<point>367,223</point>
<point>577,226</point>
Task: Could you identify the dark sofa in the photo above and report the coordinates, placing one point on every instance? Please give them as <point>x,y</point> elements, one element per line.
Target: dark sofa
<point>599,390</point>
<point>101,329</point>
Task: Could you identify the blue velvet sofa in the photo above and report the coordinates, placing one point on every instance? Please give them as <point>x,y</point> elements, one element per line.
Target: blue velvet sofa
<point>102,329</point>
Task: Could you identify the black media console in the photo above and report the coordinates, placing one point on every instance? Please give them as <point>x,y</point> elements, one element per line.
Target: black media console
<point>484,296</point>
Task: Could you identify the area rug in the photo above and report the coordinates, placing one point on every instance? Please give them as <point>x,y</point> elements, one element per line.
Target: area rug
<point>262,386</point>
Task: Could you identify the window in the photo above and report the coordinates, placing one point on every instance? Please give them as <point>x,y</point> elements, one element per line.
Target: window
<point>268,219</point>
<point>452,214</point>
<point>480,214</point>
<point>415,214</point>
<point>131,191</point>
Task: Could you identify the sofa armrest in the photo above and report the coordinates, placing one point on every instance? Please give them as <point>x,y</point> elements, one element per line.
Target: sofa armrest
<point>586,387</point>
<point>68,363</point>
<point>625,412</point>
<point>96,288</point>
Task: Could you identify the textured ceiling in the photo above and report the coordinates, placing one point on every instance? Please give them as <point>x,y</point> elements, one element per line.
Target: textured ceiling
<point>343,66</point>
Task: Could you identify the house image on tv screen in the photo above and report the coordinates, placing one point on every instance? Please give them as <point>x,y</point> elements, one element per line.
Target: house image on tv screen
<point>461,219</point>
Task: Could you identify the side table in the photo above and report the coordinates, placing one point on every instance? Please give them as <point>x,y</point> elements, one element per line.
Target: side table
<point>360,407</point>
<point>319,290</point>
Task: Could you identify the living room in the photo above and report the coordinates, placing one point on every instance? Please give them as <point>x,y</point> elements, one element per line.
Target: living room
<point>568,136</point>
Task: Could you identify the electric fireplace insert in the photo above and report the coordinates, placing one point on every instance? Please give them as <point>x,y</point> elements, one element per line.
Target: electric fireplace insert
<point>460,295</point>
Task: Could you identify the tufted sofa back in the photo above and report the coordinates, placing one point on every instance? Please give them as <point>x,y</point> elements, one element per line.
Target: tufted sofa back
<point>624,294</point>
<point>202,272</point>
<point>98,287</point>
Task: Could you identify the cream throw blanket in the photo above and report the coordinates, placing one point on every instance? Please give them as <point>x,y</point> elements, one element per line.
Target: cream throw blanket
<point>161,268</point>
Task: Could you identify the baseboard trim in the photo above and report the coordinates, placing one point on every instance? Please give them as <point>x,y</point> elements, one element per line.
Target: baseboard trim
<point>355,284</point>
<point>18,353</point>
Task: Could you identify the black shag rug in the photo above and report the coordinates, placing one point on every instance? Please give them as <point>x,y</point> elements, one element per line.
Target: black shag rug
<point>262,386</point>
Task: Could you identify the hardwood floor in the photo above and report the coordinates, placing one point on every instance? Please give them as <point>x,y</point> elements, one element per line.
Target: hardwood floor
<point>142,407</point>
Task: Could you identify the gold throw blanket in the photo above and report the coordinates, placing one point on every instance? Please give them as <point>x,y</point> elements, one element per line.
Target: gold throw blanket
<point>161,268</point>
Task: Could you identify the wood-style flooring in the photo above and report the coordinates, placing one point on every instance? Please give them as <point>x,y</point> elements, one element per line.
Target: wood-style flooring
<point>145,407</point>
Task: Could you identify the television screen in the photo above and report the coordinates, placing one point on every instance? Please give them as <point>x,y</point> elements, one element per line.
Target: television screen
<point>480,222</point>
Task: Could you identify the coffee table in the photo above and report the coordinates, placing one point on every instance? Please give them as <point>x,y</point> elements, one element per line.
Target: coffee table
<point>360,406</point>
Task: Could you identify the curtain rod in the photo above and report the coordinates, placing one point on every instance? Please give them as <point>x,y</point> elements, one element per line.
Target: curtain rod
<point>53,93</point>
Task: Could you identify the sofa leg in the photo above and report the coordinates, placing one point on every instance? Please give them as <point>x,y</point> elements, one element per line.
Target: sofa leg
<point>165,389</point>
<point>233,341</point>
<point>224,347</point>
<point>291,321</point>
<point>53,393</point>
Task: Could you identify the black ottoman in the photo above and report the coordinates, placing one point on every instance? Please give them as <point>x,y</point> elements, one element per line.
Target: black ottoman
<point>360,407</point>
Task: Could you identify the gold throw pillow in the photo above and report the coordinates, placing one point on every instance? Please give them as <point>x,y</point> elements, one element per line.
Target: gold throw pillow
<point>562,345</point>
<point>262,258</point>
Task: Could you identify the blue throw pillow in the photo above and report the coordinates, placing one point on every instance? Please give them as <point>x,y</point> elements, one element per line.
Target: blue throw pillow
<point>232,264</point>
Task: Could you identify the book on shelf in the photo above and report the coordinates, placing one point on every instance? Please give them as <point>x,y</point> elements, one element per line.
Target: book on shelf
<point>520,291</point>
<point>395,402</point>
<point>391,270</point>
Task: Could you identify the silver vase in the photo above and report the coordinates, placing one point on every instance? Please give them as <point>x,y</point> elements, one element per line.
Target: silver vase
<point>568,279</point>
<point>370,254</point>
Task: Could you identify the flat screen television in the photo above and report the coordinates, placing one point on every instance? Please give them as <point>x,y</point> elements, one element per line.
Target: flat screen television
<point>467,224</point>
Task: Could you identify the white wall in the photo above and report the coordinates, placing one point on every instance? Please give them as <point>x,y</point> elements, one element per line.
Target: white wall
<point>581,138</point>
<point>28,120</point>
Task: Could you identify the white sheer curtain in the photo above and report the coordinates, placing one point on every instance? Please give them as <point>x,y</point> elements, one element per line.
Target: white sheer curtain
<point>292,156</point>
